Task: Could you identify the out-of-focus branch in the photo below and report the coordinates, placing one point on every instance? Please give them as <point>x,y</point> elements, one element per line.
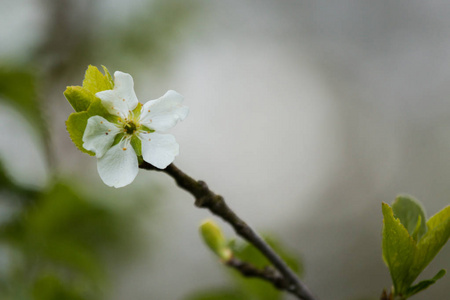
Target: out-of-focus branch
<point>268,273</point>
<point>205,198</point>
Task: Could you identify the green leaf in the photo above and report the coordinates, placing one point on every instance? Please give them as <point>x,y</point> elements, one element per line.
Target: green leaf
<point>437,235</point>
<point>86,105</point>
<point>76,123</point>
<point>398,250</point>
<point>411,215</point>
<point>94,81</point>
<point>79,97</point>
<point>424,284</point>
<point>108,76</point>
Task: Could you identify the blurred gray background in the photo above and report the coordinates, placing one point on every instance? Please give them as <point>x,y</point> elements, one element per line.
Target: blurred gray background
<point>304,115</point>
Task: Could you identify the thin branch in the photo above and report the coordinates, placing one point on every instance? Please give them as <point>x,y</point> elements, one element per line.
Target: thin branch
<point>268,273</point>
<point>205,198</point>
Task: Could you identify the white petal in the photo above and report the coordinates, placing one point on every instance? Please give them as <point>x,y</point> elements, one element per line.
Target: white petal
<point>165,112</point>
<point>124,85</point>
<point>99,135</point>
<point>159,149</point>
<point>120,100</point>
<point>118,167</point>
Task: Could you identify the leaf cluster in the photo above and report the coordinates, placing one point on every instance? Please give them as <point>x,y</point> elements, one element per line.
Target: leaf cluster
<point>86,104</point>
<point>410,243</point>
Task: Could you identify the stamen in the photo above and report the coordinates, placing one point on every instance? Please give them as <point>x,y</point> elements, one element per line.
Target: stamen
<point>101,122</point>
<point>109,130</point>
<point>149,140</point>
<point>124,148</point>
<point>149,110</point>
<point>123,99</point>
<point>106,133</point>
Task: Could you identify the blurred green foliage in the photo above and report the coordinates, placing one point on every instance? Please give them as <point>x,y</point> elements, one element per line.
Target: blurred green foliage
<point>58,243</point>
<point>154,32</point>
<point>55,242</point>
<point>17,88</point>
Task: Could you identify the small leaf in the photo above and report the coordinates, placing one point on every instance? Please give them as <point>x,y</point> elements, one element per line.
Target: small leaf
<point>79,97</point>
<point>97,109</point>
<point>214,238</point>
<point>424,284</point>
<point>76,124</point>
<point>94,81</point>
<point>398,251</point>
<point>409,210</point>
<point>108,76</point>
<point>437,235</point>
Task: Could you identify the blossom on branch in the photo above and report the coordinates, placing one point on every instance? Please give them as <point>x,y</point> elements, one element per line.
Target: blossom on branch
<point>135,131</point>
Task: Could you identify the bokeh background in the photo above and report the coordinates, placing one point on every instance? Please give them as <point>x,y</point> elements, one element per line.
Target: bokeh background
<point>305,115</point>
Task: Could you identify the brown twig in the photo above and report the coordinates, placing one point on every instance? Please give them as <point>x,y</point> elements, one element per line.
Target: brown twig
<point>268,273</point>
<point>205,198</point>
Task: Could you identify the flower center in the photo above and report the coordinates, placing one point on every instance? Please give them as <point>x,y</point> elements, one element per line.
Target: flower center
<point>130,127</point>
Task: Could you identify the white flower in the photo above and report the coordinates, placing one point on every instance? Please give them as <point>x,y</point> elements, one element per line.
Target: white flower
<point>118,162</point>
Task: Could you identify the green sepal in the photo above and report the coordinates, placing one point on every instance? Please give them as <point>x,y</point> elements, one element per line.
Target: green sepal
<point>424,284</point>
<point>94,81</point>
<point>79,97</point>
<point>117,139</point>
<point>145,128</point>
<point>411,214</point>
<point>76,123</point>
<point>213,237</point>
<point>137,145</point>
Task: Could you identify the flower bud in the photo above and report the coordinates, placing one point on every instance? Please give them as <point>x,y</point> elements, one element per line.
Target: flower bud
<point>215,239</point>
